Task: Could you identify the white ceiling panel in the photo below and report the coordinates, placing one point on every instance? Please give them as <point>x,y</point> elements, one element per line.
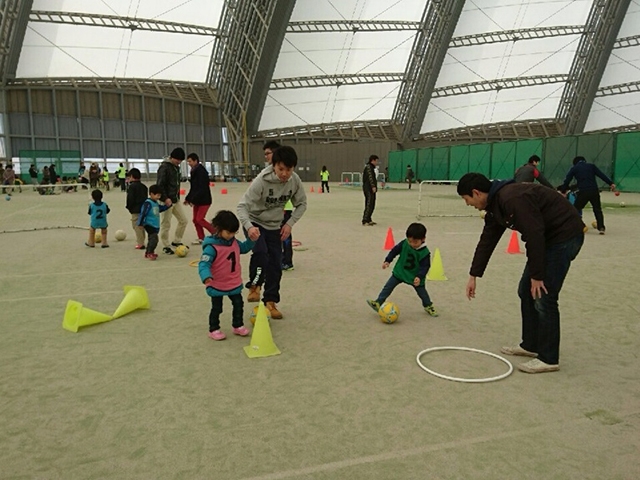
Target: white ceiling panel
<point>492,107</point>
<point>197,12</point>
<point>623,66</point>
<point>614,111</point>
<point>545,56</point>
<point>410,10</point>
<point>53,50</point>
<point>304,106</point>
<point>481,16</point>
<point>305,54</point>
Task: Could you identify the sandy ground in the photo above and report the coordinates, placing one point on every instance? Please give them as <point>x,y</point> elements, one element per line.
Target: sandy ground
<point>150,396</point>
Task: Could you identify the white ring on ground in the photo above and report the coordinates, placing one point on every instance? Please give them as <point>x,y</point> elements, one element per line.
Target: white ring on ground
<point>465,380</point>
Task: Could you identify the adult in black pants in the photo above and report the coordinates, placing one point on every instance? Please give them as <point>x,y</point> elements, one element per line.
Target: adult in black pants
<point>369,188</point>
<point>588,192</point>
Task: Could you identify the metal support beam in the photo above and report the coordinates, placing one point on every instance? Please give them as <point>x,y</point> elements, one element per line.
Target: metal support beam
<point>14,16</point>
<point>351,26</point>
<point>585,75</point>
<point>243,62</point>
<point>618,89</point>
<point>370,129</point>
<point>115,21</point>
<point>515,35</point>
<point>438,23</point>
<point>334,80</point>
<point>497,85</point>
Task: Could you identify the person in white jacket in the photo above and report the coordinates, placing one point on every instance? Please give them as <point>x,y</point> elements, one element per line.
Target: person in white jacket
<point>261,212</point>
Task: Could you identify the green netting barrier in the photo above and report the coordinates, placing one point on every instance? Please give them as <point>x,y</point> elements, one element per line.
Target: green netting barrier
<point>459,161</point>
<point>479,159</point>
<point>526,148</point>
<point>627,165</point>
<point>503,160</point>
<point>424,170</point>
<point>395,166</point>
<point>410,157</point>
<point>441,163</point>
<point>558,158</point>
<point>66,162</point>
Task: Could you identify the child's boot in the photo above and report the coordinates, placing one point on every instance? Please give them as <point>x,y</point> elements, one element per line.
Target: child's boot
<point>273,310</point>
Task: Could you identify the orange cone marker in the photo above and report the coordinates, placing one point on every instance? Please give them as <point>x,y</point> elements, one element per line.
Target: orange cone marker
<point>389,243</point>
<point>514,245</point>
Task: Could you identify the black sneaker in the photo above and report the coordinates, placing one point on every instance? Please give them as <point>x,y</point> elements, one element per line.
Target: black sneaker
<point>176,244</point>
<point>168,251</point>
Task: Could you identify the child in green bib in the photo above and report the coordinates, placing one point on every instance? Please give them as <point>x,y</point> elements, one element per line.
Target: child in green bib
<point>411,268</point>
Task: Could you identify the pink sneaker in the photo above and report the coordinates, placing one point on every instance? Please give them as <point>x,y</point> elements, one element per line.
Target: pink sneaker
<point>151,256</point>
<point>242,331</point>
<point>139,247</point>
<point>217,335</point>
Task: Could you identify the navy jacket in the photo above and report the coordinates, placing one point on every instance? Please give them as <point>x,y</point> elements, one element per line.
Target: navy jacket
<point>585,174</point>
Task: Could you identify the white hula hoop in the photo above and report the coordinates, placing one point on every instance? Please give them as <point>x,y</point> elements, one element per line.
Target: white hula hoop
<point>465,380</point>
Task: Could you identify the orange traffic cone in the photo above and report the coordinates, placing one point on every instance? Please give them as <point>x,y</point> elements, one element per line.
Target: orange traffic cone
<point>389,243</point>
<point>514,245</point>
<point>312,190</point>
<point>223,191</point>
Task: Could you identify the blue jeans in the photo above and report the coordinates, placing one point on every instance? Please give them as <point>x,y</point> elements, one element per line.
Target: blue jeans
<point>541,317</point>
<point>393,282</point>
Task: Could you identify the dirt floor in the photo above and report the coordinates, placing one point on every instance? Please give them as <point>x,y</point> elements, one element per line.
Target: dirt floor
<point>150,396</point>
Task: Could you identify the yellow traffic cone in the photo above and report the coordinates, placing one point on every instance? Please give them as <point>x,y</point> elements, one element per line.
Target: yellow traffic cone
<point>436,272</point>
<point>76,316</point>
<point>135,298</point>
<point>261,340</point>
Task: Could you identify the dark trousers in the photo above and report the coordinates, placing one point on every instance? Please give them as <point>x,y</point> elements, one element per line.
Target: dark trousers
<point>541,317</point>
<point>266,264</point>
<point>216,310</point>
<point>152,241</point>
<point>287,245</point>
<point>593,197</point>
<point>393,282</point>
<point>369,205</point>
<point>123,184</point>
<point>325,183</point>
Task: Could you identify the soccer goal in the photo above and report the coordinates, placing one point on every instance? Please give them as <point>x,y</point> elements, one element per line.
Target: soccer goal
<point>351,178</point>
<point>439,198</point>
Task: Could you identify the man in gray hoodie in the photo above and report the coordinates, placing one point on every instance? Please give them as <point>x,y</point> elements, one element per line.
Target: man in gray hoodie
<point>261,212</point>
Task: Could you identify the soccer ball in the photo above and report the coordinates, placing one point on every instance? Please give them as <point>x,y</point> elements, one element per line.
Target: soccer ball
<point>254,315</point>
<point>7,198</point>
<point>97,237</point>
<point>388,312</point>
<point>120,235</point>
<point>622,204</point>
<point>594,224</point>
<point>182,251</point>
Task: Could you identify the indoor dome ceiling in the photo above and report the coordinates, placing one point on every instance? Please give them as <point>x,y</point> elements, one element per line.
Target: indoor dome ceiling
<point>347,60</point>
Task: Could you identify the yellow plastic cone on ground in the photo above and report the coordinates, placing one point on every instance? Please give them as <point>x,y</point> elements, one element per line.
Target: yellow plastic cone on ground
<point>262,344</point>
<point>135,298</point>
<point>436,272</point>
<point>76,316</point>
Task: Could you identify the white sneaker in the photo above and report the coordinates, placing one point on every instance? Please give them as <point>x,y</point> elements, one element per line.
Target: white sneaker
<point>518,350</point>
<point>196,242</point>
<point>537,366</point>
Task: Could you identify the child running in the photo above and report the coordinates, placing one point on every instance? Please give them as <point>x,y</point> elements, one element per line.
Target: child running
<point>220,271</point>
<point>150,219</point>
<point>411,268</point>
<point>98,211</point>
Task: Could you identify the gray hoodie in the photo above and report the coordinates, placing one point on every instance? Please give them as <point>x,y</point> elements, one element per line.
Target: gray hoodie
<point>263,202</point>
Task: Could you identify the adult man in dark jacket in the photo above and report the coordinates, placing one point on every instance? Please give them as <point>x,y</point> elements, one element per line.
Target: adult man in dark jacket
<point>369,188</point>
<point>553,233</point>
<point>588,192</point>
<point>169,182</point>
<point>199,197</point>
<point>529,172</point>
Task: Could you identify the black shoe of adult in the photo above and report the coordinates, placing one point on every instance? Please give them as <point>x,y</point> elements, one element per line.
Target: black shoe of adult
<point>176,244</point>
<point>168,251</point>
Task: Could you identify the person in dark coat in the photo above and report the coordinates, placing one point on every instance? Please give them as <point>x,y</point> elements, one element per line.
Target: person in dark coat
<point>553,233</point>
<point>529,172</point>
<point>369,188</point>
<point>199,197</point>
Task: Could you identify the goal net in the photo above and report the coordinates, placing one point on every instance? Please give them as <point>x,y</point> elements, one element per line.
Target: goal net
<point>439,198</point>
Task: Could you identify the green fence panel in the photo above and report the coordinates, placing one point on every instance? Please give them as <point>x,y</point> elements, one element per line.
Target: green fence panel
<point>425,164</point>
<point>66,162</point>
<point>559,153</point>
<point>395,166</point>
<point>526,148</point>
<point>479,159</point>
<point>440,163</point>
<point>503,160</point>
<point>459,161</point>
<point>598,149</point>
<point>627,165</point>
